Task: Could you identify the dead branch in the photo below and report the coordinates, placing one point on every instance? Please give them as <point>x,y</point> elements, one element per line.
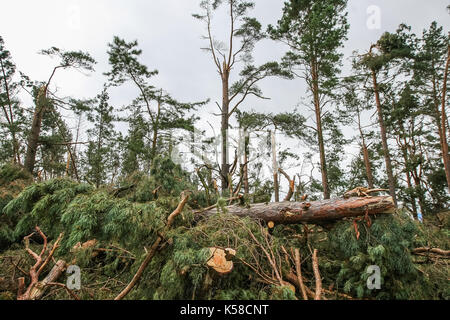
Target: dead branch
<point>35,288</point>
<point>291,184</point>
<point>317,276</point>
<point>299,273</point>
<point>437,251</point>
<point>62,285</point>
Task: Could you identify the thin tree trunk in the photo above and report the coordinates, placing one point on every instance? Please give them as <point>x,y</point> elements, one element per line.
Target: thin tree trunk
<point>224,128</point>
<point>155,133</point>
<point>387,156</point>
<point>276,187</point>
<point>444,144</point>
<point>10,118</point>
<point>413,198</point>
<point>365,154</point>
<point>246,154</point>
<point>323,164</point>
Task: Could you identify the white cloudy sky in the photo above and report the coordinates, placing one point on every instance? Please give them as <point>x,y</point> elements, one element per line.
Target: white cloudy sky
<point>171,40</point>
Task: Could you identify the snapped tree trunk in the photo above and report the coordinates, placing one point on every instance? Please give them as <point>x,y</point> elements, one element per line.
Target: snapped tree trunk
<point>366,156</point>
<point>33,138</point>
<point>311,212</point>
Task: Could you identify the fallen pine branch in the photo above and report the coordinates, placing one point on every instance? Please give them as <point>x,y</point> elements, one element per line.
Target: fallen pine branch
<point>153,249</point>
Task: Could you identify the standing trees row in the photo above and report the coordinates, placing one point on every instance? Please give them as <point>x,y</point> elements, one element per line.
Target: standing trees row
<point>402,80</point>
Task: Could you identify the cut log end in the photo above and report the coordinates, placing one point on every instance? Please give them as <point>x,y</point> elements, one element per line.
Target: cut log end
<point>220,260</point>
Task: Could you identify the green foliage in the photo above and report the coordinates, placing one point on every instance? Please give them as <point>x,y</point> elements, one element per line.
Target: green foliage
<point>73,59</point>
<point>42,204</point>
<point>102,157</point>
<point>13,180</point>
<point>386,243</point>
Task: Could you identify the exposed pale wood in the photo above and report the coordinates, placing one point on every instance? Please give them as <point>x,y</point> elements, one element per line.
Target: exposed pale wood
<point>39,289</point>
<point>317,276</point>
<point>220,260</point>
<point>298,270</point>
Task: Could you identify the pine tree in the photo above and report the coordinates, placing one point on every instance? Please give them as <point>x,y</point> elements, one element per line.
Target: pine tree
<point>8,103</point>
<point>100,154</point>
<point>44,98</point>
<point>164,112</point>
<point>244,33</point>
<point>430,76</point>
<point>383,62</point>
<point>314,31</point>
<point>351,112</point>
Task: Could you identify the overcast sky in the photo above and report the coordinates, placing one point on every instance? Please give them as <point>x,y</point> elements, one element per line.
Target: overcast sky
<point>171,40</point>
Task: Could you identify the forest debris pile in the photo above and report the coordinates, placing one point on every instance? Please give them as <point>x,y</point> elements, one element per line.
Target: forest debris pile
<point>109,238</point>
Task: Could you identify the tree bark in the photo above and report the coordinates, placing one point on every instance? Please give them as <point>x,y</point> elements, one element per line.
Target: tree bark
<point>276,187</point>
<point>33,138</point>
<point>387,156</point>
<point>365,150</point>
<point>318,111</point>
<point>444,142</point>
<point>10,117</point>
<point>312,212</point>
<point>39,289</point>
<point>246,154</point>
<point>224,127</point>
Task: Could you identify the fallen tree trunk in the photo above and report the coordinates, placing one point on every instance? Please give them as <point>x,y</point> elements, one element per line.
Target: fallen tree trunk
<point>311,212</point>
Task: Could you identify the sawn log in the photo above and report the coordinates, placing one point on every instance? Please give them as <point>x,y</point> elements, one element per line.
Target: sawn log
<point>311,212</point>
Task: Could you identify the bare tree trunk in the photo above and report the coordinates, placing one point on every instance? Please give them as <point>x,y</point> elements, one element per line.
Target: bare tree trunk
<point>246,154</point>
<point>318,111</point>
<point>10,118</point>
<point>368,166</point>
<point>387,156</point>
<point>155,133</point>
<point>365,154</point>
<point>444,142</point>
<point>39,289</point>
<point>276,187</point>
<point>224,128</point>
